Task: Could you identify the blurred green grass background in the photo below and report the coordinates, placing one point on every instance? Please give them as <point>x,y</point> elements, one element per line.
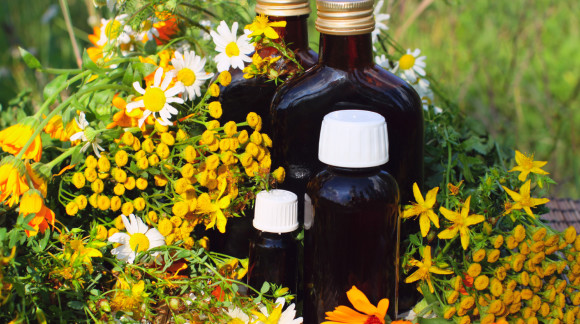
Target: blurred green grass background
<point>514,65</point>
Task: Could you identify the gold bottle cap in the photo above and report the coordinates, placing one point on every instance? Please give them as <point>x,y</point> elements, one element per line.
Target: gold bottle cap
<point>283,8</point>
<point>345,17</point>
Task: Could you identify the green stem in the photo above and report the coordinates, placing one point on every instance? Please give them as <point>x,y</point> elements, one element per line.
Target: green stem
<point>61,71</point>
<point>61,157</point>
<point>49,101</point>
<point>448,172</point>
<point>71,34</point>
<point>63,105</point>
<point>448,246</point>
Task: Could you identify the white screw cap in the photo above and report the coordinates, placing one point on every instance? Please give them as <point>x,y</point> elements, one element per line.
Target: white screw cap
<point>276,211</point>
<point>353,139</point>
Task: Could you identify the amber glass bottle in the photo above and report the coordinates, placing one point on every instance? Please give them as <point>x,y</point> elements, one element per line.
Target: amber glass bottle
<point>346,77</point>
<point>274,251</point>
<point>243,96</point>
<point>353,237</point>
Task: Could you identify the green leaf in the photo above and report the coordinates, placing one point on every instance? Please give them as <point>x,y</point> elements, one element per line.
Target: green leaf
<point>265,288</point>
<point>88,64</point>
<point>434,321</point>
<point>74,304</point>
<point>151,47</point>
<point>29,59</point>
<point>128,77</point>
<point>142,70</point>
<point>55,86</point>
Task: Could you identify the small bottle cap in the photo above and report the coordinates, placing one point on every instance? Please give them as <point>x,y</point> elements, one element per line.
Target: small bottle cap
<point>353,139</point>
<point>346,17</point>
<point>276,211</point>
<point>283,8</point>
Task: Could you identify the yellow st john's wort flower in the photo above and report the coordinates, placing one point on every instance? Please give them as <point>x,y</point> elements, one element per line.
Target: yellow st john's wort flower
<point>523,200</point>
<point>526,165</point>
<point>370,313</point>
<point>423,208</point>
<point>426,267</point>
<point>461,222</point>
<point>262,26</point>
<point>84,254</point>
<point>213,210</point>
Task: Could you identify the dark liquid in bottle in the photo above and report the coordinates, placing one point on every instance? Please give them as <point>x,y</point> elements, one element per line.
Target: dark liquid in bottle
<point>352,241</point>
<point>346,77</point>
<point>243,96</point>
<point>273,258</point>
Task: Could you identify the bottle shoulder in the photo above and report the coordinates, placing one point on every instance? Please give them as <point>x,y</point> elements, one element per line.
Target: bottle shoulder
<point>373,86</point>
<point>360,186</point>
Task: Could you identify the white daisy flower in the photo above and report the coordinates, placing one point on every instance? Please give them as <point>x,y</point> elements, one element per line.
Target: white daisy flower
<point>205,23</point>
<point>412,65</point>
<point>238,316</point>
<point>233,52</point>
<point>157,98</point>
<point>286,317</point>
<point>88,135</point>
<point>380,21</point>
<point>148,30</point>
<point>383,61</point>
<point>423,88</point>
<point>139,238</point>
<point>115,31</point>
<point>190,72</point>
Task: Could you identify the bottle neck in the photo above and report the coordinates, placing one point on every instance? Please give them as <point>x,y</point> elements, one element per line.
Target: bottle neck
<point>346,52</point>
<point>357,171</point>
<point>295,34</point>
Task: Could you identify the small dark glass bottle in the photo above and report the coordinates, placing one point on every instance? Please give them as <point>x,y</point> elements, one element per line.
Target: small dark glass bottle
<point>274,251</point>
<point>243,96</point>
<point>346,77</point>
<point>353,236</point>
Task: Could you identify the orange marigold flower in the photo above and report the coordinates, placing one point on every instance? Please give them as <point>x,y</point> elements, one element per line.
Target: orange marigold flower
<point>12,181</point>
<point>369,313</point>
<point>32,203</point>
<point>14,138</point>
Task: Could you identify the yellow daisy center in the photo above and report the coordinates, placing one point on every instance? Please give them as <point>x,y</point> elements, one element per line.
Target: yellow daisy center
<point>113,29</point>
<point>232,49</point>
<point>140,241</point>
<point>154,99</point>
<point>236,321</point>
<point>406,61</point>
<point>186,76</point>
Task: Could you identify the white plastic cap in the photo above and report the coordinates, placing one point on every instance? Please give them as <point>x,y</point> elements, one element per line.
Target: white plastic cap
<point>276,211</point>
<point>353,139</point>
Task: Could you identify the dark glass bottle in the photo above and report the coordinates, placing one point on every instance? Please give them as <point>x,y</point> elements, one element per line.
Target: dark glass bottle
<point>243,96</point>
<point>274,251</point>
<point>353,236</point>
<point>346,77</point>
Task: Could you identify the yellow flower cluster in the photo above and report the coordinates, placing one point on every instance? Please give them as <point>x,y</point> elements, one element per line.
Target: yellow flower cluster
<point>520,279</point>
<point>197,176</point>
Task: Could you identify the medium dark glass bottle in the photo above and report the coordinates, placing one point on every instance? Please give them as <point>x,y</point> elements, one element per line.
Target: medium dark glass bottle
<point>243,96</point>
<point>353,236</point>
<point>346,77</point>
<point>274,251</point>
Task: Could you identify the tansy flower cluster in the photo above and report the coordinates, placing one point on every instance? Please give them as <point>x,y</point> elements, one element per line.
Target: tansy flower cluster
<point>494,261</point>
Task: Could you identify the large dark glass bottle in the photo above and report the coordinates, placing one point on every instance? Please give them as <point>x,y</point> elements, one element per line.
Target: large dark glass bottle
<point>352,239</point>
<point>346,77</point>
<point>243,96</point>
